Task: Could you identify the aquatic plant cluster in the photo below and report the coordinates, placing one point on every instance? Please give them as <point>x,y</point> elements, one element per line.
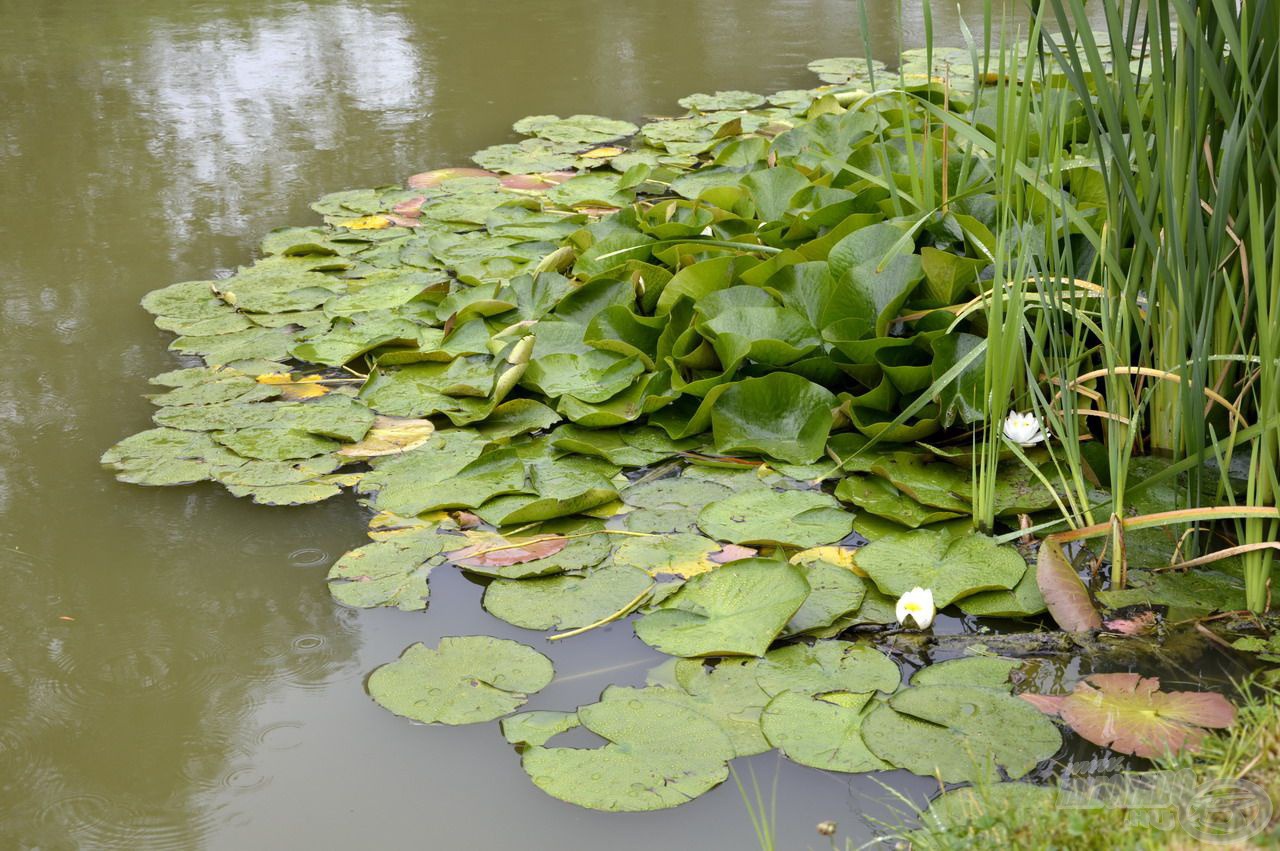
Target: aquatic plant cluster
<point>721,371</point>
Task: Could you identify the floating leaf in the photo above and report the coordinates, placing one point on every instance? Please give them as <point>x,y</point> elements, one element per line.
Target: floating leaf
<point>571,544</point>
<point>538,726</point>
<point>463,680</point>
<point>565,602</point>
<point>951,567</point>
<point>834,591</point>
<point>789,518</point>
<point>989,671</point>
<point>391,572</point>
<point>659,753</point>
<point>827,666</point>
<point>390,436</point>
<point>1129,714</point>
<point>727,693</point>
<point>960,733</point>
<point>735,610</point>
<point>820,732</point>
<point>722,100</point>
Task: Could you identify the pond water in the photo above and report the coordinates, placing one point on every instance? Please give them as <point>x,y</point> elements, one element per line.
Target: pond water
<point>173,672</point>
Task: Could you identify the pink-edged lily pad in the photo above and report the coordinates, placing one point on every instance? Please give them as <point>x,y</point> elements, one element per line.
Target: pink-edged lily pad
<point>404,221</point>
<point>435,177</point>
<point>500,552</point>
<point>411,208</point>
<point>1128,713</point>
<point>526,182</point>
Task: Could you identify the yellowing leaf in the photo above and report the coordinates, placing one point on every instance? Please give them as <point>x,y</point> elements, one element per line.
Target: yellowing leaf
<point>839,556</point>
<point>601,153</point>
<point>366,223</point>
<point>295,388</point>
<point>390,436</point>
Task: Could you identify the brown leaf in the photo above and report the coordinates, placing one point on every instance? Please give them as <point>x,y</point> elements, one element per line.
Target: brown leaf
<point>1065,595</point>
<point>492,550</point>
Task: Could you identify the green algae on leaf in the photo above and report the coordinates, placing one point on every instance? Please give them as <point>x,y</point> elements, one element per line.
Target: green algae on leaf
<point>463,680</point>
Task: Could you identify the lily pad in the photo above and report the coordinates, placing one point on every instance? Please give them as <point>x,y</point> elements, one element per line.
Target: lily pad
<point>391,572</point>
<point>790,518</point>
<point>781,414</point>
<point>989,671</point>
<point>660,754</point>
<point>952,567</point>
<point>960,733</point>
<point>827,666</point>
<point>728,693</point>
<point>463,680</point>
<point>1128,713</point>
<point>821,732</point>
<point>565,602</point>
<point>834,592</point>
<point>722,100</point>
<point>736,610</point>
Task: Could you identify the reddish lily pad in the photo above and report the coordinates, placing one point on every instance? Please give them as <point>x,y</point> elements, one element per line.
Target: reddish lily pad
<point>435,177</point>
<point>1129,714</point>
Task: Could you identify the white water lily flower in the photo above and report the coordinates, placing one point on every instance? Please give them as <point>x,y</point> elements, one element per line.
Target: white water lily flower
<point>1023,429</point>
<point>916,604</point>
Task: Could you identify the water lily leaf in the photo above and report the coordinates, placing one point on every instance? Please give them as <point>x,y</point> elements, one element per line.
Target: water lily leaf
<point>337,417</point>
<point>721,100</point>
<point>987,671</point>
<point>1129,714</point>
<point>727,693</point>
<point>463,680</point>
<point>818,732</point>
<point>862,261</point>
<point>942,486</point>
<point>736,610</point>
<point>645,765</point>
<point>404,484</point>
<point>780,414</point>
<point>952,567</point>
<point>583,549</point>
<point>882,499</point>
<point>844,557</point>
<point>842,69</point>
<point>565,602</point>
<point>301,493</point>
<point>682,554</point>
<point>579,130</point>
<point>627,447</point>
<point>435,177</point>
<point>597,190</point>
<point>538,726</point>
<point>833,592</point>
<point>683,493</point>
<point>960,733</point>
<point>788,518</point>
<point>563,487</point>
<point>1187,594</point>
<point>1064,593</point>
<point>1025,600</point>
<point>275,444</point>
<point>827,666</point>
<point>772,190</point>
<point>497,551</point>
<point>166,456</point>
<point>390,436</point>
<point>391,572</point>
<point>530,156</point>
<point>515,417</point>
<point>271,344</point>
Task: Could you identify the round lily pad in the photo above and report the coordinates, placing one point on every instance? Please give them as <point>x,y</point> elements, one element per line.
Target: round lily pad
<point>791,518</point>
<point>728,693</point>
<point>960,733</point>
<point>952,567</point>
<point>989,671</point>
<point>823,733</point>
<point>565,602</point>
<point>827,666</point>
<point>464,680</point>
<point>735,610</point>
<point>660,754</point>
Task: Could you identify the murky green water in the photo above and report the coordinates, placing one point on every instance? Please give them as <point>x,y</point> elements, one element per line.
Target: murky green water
<point>172,671</point>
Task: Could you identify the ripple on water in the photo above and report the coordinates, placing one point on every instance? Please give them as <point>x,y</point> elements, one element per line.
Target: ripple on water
<point>91,821</point>
<point>243,778</point>
<point>309,557</point>
<point>282,736</point>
